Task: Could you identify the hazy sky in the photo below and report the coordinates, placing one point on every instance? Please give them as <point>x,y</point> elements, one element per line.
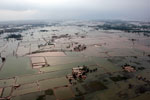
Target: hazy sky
<point>74,9</point>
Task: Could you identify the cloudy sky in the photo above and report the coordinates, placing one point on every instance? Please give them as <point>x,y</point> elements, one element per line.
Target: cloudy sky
<point>74,9</point>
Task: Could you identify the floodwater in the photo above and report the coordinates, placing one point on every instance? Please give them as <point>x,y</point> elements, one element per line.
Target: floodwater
<point>37,64</point>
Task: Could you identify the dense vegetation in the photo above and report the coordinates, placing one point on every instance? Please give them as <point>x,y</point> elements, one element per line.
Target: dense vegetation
<point>15,36</point>
<point>118,78</point>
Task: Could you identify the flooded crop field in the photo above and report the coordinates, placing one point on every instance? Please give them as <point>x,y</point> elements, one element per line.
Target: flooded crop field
<point>75,60</point>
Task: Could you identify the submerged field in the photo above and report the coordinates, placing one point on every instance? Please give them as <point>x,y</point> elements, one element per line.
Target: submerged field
<point>40,64</point>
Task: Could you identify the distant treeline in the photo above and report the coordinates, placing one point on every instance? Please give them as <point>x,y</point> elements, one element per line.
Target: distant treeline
<point>124,27</point>
<point>18,28</point>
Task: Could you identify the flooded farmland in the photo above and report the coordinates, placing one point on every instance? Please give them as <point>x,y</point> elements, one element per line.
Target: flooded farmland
<point>75,60</point>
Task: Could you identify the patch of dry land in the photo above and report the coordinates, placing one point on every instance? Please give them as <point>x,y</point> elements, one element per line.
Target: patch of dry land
<point>46,54</point>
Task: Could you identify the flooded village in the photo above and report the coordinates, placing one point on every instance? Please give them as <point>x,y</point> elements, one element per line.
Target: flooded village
<point>75,60</point>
